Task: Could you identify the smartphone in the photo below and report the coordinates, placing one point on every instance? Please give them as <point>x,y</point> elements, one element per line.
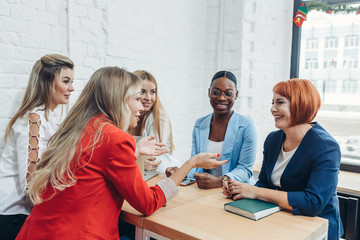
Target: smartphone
<point>187,181</point>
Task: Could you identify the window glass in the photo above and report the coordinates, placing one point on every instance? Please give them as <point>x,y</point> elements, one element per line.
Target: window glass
<point>329,57</point>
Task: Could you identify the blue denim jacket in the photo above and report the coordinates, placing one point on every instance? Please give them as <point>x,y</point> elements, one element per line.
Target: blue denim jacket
<point>239,146</point>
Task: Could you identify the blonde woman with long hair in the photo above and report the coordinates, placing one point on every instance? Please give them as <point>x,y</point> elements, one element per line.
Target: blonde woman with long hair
<point>27,134</point>
<point>154,122</point>
<point>89,167</point>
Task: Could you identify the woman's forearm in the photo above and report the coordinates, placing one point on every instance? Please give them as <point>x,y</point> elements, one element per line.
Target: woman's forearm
<point>181,173</point>
<point>273,196</point>
<point>202,160</point>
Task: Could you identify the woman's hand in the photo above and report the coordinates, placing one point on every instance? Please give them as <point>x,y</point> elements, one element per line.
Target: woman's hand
<point>207,160</point>
<point>207,181</point>
<point>226,190</point>
<point>170,171</point>
<point>150,163</point>
<point>202,160</point>
<point>238,190</point>
<point>146,146</point>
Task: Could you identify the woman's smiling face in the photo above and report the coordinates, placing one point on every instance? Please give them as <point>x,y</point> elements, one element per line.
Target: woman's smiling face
<point>135,108</point>
<point>222,94</point>
<point>280,109</point>
<point>148,95</point>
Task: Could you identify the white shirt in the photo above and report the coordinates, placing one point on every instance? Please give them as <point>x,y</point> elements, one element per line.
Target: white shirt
<point>280,165</point>
<point>215,147</point>
<point>167,159</point>
<point>14,161</point>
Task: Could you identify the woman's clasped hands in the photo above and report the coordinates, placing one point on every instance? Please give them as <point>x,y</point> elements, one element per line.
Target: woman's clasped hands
<point>237,190</point>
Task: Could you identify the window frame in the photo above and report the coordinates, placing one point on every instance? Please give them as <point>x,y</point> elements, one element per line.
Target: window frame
<point>295,62</point>
<point>352,41</point>
<point>331,43</point>
<point>312,44</point>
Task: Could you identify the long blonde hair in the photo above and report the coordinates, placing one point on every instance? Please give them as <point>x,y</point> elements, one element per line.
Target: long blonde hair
<point>107,92</point>
<point>40,88</point>
<point>157,110</point>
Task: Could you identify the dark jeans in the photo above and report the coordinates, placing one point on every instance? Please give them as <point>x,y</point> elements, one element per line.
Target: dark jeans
<point>126,230</point>
<point>10,225</point>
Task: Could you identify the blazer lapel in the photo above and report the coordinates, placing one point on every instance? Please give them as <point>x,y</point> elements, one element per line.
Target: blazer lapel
<point>273,154</point>
<point>204,133</point>
<point>301,155</point>
<point>229,141</point>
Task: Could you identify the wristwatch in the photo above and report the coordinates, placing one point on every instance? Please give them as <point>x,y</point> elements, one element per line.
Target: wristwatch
<point>224,179</point>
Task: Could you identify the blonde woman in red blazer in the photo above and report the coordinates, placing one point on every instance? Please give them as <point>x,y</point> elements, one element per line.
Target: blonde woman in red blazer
<point>89,167</point>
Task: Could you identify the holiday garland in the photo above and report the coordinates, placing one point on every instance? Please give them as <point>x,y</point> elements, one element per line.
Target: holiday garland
<point>331,8</point>
<point>301,14</point>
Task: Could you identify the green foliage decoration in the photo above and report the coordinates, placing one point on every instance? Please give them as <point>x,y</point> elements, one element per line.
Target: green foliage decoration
<point>336,8</point>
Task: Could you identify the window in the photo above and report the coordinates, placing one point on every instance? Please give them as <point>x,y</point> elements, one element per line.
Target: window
<point>352,41</point>
<point>349,85</point>
<point>350,63</point>
<point>312,43</point>
<point>329,56</point>
<point>311,64</point>
<point>330,85</point>
<point>331,42</point>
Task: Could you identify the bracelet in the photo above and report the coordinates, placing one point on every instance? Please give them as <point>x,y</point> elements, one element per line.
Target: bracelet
<point>224,179</point>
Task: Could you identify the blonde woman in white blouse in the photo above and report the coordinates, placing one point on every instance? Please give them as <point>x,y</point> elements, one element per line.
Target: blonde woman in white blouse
<point>154,122</point>
<point>27,134</point>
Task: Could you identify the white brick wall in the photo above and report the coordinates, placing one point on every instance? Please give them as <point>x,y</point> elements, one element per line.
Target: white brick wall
<point>178,41</point>
<point>256,47</point>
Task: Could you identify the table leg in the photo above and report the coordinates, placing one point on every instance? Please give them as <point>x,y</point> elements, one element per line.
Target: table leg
<point>148,235</point>
<point>139,233</point>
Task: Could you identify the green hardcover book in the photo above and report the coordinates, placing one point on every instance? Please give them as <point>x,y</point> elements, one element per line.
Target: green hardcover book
<point>251,208</point>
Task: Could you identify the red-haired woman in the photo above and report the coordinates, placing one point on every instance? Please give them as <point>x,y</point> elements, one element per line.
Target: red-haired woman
<point>301,160</point>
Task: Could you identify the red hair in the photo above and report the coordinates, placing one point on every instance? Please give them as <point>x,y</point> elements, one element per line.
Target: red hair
<point>304,99</point>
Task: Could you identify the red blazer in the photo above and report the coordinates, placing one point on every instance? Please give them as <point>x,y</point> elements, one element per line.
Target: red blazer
<point>90,209</point>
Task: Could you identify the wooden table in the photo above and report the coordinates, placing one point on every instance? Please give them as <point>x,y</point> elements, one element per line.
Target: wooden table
<point>199,214</point>
<point>185,195</point>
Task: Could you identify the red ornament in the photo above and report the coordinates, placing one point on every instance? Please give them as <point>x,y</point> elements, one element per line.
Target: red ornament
<point>358,12</point>
<point>329,11</point>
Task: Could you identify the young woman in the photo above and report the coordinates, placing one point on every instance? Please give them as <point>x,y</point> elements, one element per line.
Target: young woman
<point>154,122</point>
<point>27,134</point>
<point>301,160</point>
<point>227,132</point>
<point>89,167</point>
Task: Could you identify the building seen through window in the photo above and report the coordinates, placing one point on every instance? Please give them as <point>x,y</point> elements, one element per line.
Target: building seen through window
<point>329,57</point>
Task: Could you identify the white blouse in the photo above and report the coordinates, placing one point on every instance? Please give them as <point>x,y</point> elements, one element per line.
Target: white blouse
<point>280,165</point>
<point>167,159</point>
<point>215,147</point>
<point>14,161</point>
